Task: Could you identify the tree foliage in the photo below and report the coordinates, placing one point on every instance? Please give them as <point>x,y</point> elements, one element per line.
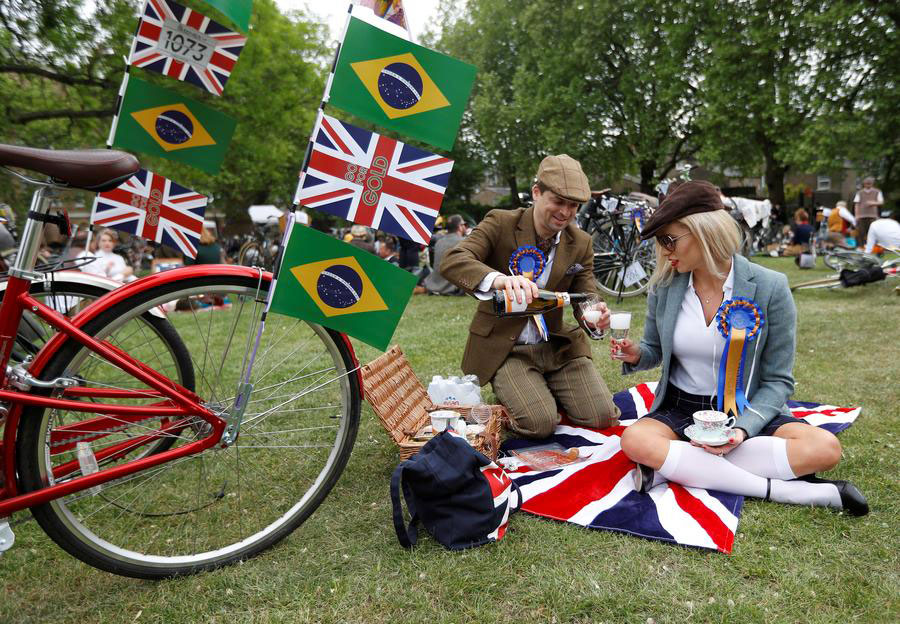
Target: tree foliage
<point>632,87</point>
<point>595,79</point>
<point>61,64</point>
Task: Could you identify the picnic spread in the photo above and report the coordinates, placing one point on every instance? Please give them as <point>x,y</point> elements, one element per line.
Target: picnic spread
<point>580,475</point>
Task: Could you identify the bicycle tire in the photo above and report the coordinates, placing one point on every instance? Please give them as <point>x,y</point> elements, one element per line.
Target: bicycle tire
<point>251,254</point>
<point>222,505</point>
<point>35,332</point>
<point>609,265</point>
<point>838,259</point>
<point>69,297</point>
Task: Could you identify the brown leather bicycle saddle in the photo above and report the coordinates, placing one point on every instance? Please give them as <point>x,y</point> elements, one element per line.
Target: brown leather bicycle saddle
<point>92,170</point>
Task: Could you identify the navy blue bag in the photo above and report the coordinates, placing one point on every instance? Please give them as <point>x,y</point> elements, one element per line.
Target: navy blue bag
<point>461,497</point>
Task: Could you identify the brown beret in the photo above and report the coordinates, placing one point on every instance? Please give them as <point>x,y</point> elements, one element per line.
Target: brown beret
<point>685,199</point>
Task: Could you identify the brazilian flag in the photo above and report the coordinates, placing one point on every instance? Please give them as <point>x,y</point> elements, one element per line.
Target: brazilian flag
<point>332,283</point>
<point>238,11</point>
<point>399,85</point>
<point>159,122</point>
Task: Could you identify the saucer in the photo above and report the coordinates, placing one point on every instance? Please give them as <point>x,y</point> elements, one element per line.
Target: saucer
<point>693,433</point>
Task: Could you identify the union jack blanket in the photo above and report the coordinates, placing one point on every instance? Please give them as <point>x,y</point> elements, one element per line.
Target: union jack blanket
<point>599,493</point>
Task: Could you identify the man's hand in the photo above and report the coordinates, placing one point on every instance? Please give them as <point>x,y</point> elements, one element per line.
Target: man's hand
<point>517,287</point>
<point>596,323</point>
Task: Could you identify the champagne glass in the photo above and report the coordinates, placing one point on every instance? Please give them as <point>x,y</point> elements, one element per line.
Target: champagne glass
<point>619,324</point>
<point>591,313</point>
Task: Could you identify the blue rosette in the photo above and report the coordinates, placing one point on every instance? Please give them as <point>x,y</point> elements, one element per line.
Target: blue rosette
<point>528,261</point>
<point>739,320</point>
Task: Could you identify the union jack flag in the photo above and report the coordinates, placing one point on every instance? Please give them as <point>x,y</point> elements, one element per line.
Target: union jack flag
<point>598,492</point>
<point>373,180</point>
<point>184,44</point>
<point>153,207</point>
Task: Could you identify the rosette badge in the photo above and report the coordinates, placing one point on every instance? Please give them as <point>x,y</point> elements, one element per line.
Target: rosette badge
<point>739,320</point>
<point>527,261</point>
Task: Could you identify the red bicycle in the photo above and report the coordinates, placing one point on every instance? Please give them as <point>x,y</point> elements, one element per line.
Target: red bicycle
<point>168,427</point>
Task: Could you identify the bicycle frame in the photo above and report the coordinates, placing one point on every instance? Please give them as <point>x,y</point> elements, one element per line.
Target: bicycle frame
<point>175,401</point>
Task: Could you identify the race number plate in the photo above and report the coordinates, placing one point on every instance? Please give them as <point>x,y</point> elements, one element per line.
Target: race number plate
<point>634,273</point>
<point>186,44</point>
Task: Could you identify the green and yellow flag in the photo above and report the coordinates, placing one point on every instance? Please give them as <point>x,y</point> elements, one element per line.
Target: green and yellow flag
<point>238,11</point>
<point>400,85</point>
<point>159,122</point>
<point>327,281</point>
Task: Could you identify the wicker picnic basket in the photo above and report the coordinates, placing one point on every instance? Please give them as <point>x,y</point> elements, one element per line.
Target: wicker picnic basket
<point>402,405</point>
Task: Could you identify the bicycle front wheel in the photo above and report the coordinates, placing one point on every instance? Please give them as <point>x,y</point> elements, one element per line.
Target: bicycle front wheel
<point>222,505</point>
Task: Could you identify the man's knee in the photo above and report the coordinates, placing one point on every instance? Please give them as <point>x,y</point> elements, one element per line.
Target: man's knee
<point>594,413</point>
<point>534,422</point>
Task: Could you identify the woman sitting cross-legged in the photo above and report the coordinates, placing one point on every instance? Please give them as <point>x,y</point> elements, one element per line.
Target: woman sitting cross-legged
<point>768,453</point>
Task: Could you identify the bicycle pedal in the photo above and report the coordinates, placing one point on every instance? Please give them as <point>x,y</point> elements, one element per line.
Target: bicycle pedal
<point>7,538</point>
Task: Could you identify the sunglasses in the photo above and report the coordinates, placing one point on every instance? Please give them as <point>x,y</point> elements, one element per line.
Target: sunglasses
<point>668,242</point>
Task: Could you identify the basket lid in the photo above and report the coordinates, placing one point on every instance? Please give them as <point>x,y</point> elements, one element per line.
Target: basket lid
<point>395,393</point>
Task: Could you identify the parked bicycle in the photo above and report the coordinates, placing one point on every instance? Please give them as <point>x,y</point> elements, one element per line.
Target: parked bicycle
<point>623,263</point>
<point>855,268</point>
<point>149,459</point>
<point>262,247</point>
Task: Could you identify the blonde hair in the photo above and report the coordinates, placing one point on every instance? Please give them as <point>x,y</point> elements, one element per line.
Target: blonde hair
<point>95,242</point>
<point>207,237</point>
<point>718,236</point>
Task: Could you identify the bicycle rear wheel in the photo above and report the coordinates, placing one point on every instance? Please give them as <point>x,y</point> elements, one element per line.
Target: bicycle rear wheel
<point>225,504</point>
<point>612,268</point>
<point>252,254</point>
<point>839,259</point>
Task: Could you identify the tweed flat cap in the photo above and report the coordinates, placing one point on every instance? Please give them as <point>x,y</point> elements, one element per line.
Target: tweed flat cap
<point>563,175</point>
<point>686,199</point>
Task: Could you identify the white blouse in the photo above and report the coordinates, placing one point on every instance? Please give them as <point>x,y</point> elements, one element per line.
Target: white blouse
<point>697,347</point>
<point>105,264</point>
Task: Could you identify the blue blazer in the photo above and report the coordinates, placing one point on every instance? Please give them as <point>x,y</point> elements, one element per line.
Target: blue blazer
<point>768,372</point>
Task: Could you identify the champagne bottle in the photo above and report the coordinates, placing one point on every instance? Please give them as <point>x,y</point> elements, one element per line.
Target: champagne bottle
<point>546,301</point>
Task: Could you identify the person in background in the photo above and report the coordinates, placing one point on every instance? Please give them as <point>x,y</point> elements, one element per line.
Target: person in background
<point>208,251</point>
<point>866,204</point>
<point>360,238</point>
<point>769,454</point>
<point>387,250</point>
<point>802,229</point>
<point>883,234</point>
<point>105,262</point>
<point>435,284</point>
<point>839,220</point>
<point>409,255</point>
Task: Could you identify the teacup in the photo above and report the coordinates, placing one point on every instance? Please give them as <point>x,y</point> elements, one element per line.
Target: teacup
<point>712,424</point>
<point>444,419</point>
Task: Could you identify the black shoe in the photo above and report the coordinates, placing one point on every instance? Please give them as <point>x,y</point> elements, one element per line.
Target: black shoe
<point>852,500</point>
<point>643,478</point>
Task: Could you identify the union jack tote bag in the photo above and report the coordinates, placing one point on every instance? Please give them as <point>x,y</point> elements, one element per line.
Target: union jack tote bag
<point>461,497</point>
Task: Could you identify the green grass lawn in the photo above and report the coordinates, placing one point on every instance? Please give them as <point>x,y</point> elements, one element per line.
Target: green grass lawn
<point>790,564</point>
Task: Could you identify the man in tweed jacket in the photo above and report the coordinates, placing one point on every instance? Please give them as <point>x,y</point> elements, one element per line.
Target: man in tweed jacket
<point>532,376</point>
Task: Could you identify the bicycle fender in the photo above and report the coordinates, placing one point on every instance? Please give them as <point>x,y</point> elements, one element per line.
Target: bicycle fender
<point>123,292</point>
<point>119,293</point>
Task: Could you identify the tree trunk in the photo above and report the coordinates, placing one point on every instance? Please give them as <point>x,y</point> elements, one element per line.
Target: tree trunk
<point>648,169</point>
<point>513,191</point>
<point>887,183</point>
<point>774,176</point>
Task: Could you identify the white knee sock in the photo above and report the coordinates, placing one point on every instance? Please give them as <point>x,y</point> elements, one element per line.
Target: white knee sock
<point>765,456</point>
<point>694,467</point>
